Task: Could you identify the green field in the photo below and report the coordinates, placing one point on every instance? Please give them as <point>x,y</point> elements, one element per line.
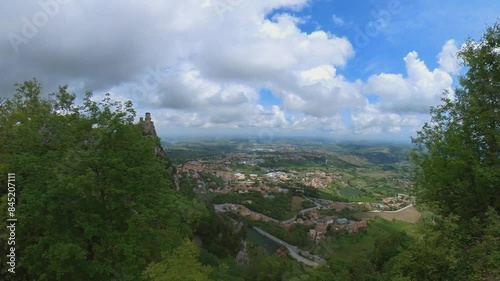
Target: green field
<point>356,194</point>
<point>384,191</point>
<point>350,192</point>
<point>347,247</point>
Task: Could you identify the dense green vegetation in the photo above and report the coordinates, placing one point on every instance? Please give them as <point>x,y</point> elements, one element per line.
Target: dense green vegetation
<point>93,202</point>
<point>296,235</point>
<point>458,175</point>
<point>211,181</point>
<point>312,192</point>
<point>350,192</point>
<point>360,245</point>
<point>277,207</point>
<point>306,204</point>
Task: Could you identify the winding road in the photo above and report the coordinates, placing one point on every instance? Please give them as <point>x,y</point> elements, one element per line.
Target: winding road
<point>300,255</point>
<point>295,252</point>
<point>397,211</point>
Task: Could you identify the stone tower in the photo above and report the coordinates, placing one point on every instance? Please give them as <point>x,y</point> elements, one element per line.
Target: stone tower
<point>148,129</point>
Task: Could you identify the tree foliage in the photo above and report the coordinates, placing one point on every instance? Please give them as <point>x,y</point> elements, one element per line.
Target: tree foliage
<point>182,265</point>
<point>458,151</point>
<point>93,202</point>
<point>458,175</point>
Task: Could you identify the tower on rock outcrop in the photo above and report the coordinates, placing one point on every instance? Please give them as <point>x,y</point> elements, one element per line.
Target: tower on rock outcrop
<point>148,129</point>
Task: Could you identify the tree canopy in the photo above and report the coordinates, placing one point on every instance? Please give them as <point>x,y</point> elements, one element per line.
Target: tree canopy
<point>457,162</point>
<point>458,151</point>
<point>93,201</point>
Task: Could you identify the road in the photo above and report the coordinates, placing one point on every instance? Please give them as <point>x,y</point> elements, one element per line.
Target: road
<point>223,208</point>
<point>295,217</point>
<point>295,252</point>
<point>397,211</point>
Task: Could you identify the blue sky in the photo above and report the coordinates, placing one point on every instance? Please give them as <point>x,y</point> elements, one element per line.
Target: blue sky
<point>422,26</point>
<point>366,69</point>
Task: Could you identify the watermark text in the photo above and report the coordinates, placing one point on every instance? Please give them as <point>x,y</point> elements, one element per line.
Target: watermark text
<point>31,25</point>
<point>11,222</point>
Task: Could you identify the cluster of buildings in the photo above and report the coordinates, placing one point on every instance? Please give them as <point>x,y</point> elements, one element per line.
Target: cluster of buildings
<point>396,203</point>
<point>341,225</point>
<point>320,225</point>
<point>319,179</point>
<point>265,182</point>
<point>387,204</point>
<point>236,180</point>
<point>243,211</point>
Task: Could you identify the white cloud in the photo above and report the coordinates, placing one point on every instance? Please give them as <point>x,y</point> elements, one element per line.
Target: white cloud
<point>415,93</point>
<point>197,66</point>
<point>337,20</point>
<point>372,120</point>
<point>316,75</point>
<point>447,58</point>
<point>404,101</point>
<point>330,124</point>
<point>320,92</point>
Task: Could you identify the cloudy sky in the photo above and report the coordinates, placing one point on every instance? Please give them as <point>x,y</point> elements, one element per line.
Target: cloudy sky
<point>365,69</point>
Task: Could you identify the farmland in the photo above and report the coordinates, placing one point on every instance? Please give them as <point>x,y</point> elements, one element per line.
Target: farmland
<point>351,192</point>
<point>349,247</point>
<point>410,215</point>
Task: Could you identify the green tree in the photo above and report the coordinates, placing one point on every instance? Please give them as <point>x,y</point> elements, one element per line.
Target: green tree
<point>266,268</point>
<point>323,273</point>
<point>458,152</point>
<point>387,247</point>
<point>220,235</point>
<point>94,202</point>
<point>458,175</point>
<point>182,265</point>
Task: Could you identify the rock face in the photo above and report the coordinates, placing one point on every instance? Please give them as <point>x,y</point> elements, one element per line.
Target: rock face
<point>242,256</point>
<point>148,129</point>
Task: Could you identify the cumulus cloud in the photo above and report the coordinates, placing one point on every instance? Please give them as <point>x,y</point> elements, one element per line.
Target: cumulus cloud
<point>330,124</point>
<point>201,64</point>
<point>320,92</point>
<point>372,120</point>
<point>447,58</point>
<point>414,93</point>
<point>404,100</point>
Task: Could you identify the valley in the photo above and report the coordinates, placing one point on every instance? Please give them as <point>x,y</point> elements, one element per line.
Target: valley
<point>307,193</point>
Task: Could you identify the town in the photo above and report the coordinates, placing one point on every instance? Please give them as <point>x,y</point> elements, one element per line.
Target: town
<point>313,192</point>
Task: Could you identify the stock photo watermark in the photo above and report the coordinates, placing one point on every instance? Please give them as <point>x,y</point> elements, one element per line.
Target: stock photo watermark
<point>150,81</point>
<point>221,7</point>
<point>381,19</point>
<point>264,135</point>
<point>30,26</point>
<point>11,222</point>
